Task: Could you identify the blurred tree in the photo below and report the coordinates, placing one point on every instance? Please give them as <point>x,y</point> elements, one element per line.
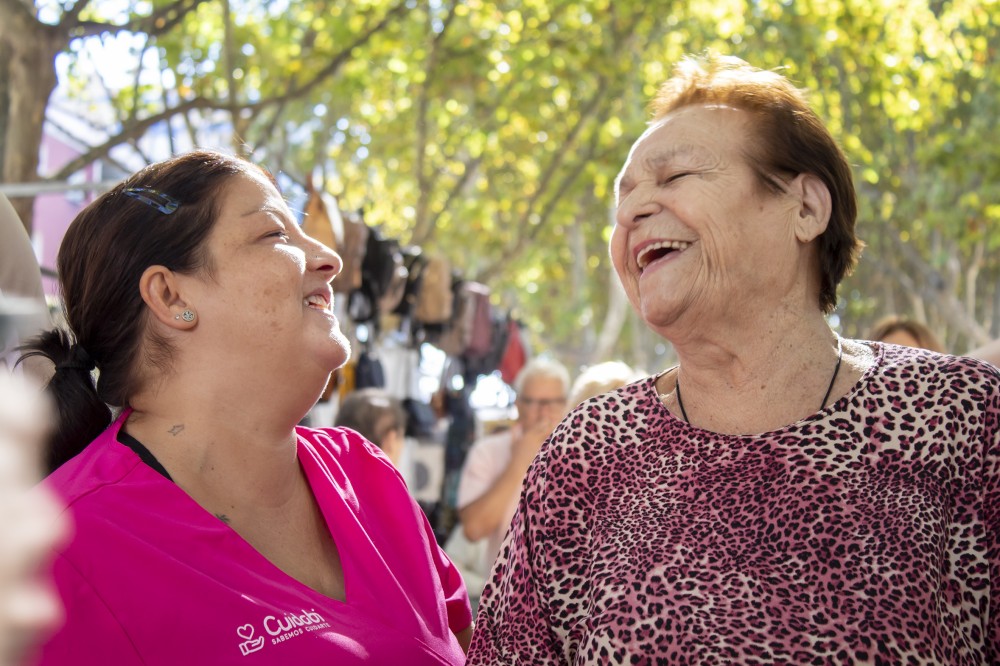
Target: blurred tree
<point>492,130</point>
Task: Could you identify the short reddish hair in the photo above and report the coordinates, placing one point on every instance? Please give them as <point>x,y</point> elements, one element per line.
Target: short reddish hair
<point>790,139</point>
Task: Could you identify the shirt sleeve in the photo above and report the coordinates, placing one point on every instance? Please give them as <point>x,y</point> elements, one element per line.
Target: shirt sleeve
<point>379,473</point>
<point>991,471</point>
<point>98,640</point>
<point>513,625</point>
<point>456,596</point>
<point>478,474</point>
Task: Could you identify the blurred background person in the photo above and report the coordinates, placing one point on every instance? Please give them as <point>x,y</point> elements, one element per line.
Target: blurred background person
<point>207,524</point>
<point>781,494</point>
<point>601,378</point>
<point>990,352</point>
<point>897,330</point>
<point>494,468</point>
<point>378,417</point>
<point>31,524</point>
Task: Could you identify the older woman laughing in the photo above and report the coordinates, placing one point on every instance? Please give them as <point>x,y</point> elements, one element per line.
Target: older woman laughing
<point>781,495</point>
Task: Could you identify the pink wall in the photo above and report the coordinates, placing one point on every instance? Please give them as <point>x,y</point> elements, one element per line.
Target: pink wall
<point>54,211</point>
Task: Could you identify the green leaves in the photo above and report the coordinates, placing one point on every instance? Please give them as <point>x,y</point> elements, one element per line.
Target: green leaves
<point>492,131</point>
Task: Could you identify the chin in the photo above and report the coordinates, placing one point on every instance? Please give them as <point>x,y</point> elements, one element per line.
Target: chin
<point>339,350</point>
<point>329,352</point>
<point>656,315</point>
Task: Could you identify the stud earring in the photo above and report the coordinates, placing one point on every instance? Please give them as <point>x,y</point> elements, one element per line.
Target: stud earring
<point>187,316</point>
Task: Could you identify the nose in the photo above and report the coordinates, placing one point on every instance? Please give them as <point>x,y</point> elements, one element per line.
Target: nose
<point>638,205</point>
<point>323,259</point>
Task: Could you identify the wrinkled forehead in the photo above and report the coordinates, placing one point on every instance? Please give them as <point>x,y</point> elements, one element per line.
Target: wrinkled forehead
<point>679,133</point>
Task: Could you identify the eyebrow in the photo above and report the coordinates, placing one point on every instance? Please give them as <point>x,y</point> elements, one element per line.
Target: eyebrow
<point>266,208</point>
<point>656,161</point>
<point>668,155</point>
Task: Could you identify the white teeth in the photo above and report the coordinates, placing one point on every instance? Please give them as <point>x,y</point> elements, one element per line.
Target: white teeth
<point>646,255</point>
<point>315,300</point>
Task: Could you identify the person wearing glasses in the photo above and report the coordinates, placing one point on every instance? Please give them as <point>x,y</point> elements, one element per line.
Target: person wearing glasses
<point>209,527</point>
<point>780,495</point>
<point>495,465</point>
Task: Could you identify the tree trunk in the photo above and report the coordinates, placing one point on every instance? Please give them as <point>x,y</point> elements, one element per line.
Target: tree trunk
<point>28,75</point>
<point>614,318</point>
<point>4,98</point>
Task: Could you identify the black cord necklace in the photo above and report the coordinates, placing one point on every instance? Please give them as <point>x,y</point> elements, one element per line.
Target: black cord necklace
<point>826,396</point>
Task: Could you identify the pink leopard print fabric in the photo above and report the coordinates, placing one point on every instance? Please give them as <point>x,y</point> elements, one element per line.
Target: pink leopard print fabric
<point>865,534</point>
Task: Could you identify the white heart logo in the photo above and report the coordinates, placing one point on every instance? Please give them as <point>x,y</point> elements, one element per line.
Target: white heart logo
<point>246,632</point>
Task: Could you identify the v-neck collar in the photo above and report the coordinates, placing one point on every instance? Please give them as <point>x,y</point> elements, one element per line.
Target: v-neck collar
<point>201,515</point>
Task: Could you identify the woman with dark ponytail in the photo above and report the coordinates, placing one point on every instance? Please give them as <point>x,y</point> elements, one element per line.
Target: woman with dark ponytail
<point>208,526</point>
<point>82,414</point>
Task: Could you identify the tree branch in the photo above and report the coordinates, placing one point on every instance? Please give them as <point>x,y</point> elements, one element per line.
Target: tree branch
<point>165,18</point>
<point>129,131</point>
<point>134,111</point>
<point>471,164</point>
<point>139,126</point>
<point>77,139</point>
<point>423,105</point>
<point>72,15</point>
<point>345,54</point>
<point>934,290</point>
<point>524,239</point>
<point>601,92</point>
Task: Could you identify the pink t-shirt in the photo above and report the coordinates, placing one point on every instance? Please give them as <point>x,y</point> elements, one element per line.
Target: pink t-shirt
<point>150,577</point>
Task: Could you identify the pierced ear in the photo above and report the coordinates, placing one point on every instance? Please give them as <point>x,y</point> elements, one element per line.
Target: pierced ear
<point>815,206</point>
<point>160,289</point>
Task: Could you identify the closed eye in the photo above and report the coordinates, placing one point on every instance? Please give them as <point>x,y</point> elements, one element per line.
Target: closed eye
<point>624,189</point>
<point>277,233</point>
<point>675,177</point>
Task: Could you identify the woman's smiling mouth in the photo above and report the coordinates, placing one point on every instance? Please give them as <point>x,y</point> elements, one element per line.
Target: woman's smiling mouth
<point>655,251</point>
<point>316,302</point>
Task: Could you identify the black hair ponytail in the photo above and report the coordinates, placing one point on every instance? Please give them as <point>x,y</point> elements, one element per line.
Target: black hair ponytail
<point>82,414</point>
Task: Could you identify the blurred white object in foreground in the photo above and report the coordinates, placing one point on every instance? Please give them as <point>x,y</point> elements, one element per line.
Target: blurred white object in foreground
<point>30,523</point>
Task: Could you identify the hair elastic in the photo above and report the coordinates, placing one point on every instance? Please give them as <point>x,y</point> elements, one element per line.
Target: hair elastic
<point>78,359</point>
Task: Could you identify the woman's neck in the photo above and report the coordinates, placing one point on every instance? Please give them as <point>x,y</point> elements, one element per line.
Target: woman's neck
<point>233,456</point>
<point>755,382</point>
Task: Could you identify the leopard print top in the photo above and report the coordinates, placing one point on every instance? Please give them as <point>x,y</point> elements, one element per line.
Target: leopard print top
<point>865,533</point>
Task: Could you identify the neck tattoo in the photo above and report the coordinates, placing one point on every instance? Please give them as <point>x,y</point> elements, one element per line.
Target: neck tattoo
<point>826,396</point>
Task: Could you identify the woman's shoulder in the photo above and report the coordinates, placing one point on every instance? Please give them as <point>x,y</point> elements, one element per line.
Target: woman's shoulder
<point>623,414</point>
<point>961,387</point>
<point>345,449</point>
<point>336,441</point>
<point>634,395</point>
<point>925,365</point>
<point>102,466</point>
